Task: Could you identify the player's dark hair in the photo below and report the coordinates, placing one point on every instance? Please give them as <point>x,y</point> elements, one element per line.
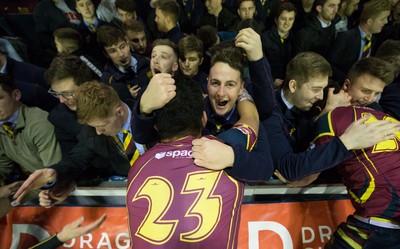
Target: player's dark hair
<point>182,116</point>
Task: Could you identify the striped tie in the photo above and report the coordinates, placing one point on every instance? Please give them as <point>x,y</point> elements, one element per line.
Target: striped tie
<point>92,28</point>
<point>129,146</point>
<point>7,126</point>
<point>367,47</point>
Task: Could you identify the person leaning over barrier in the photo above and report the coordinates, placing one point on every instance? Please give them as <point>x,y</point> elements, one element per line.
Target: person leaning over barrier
<point>107,132</point>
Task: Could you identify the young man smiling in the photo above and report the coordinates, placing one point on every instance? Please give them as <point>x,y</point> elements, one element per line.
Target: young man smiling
<point>366,80</point>
<point>290,128</point>
<point>223,109</point>
<point>226,83</point>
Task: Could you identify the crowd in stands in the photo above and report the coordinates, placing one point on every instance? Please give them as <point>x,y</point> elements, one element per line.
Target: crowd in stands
<point>82,83</point>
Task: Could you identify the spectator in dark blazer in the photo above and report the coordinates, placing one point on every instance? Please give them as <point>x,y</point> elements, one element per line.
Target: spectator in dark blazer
<point>191,52</point>
<point>88,27</point>
<point>350,46</point>
<point>192,12</point>
<point>304,9</point>
<point>68,41</point>
<point>392,29</point>
<point>135,32</point>
<point>346,9</point>
<point>318,33</point>
<point>278,42</point>
<point>247,10</point>
<point>49,15</point>
<point>127,73</point>
<point>65,74</point>
<point>167,14</point>
<point>266,12</point>
<point>127,11</point>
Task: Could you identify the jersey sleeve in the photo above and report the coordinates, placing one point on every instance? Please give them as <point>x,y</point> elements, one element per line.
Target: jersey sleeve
<point>240,134</point>
<point>333,123</point>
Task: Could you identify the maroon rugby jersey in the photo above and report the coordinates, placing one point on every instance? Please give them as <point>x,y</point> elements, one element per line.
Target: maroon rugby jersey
<point>174,204</point>
<point>372,176</point>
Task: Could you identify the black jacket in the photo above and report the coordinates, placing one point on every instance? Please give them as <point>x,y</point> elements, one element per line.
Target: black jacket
<point>121,81</point>
<point>345,51</point>
<point>315,38</point>
<point>278,54</point>
<point>224,22</point>
<point>30,81</point>
<point>90,146</point>
<point>67,131</point>
<point>290,134</point>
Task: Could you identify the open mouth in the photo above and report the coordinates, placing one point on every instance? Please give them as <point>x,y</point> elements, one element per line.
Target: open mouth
<point>222,103</point>
<point>156,71</point>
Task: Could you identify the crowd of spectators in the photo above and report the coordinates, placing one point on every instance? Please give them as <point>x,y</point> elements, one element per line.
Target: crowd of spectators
<point>275,65</point>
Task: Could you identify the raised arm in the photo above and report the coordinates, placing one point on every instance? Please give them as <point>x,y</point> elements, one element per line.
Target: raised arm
<point>260,71</point>
<point>294,166</point>
<point>159,92</point>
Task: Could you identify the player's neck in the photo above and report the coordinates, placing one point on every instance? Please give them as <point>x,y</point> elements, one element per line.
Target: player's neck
<point>179,137</point>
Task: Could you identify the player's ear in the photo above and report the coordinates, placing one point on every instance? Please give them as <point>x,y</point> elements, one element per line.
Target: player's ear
<point>204,119</point>
<point>292,86</point>
<point>120,111</point>
<point>346,84</point>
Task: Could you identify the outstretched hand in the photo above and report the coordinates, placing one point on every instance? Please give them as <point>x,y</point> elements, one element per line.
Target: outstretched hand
<point>36,180</point>
<point>74,229</point>
<point>363,134</point>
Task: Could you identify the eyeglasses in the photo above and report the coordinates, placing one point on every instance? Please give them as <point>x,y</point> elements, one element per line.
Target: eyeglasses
<point>67,95</point>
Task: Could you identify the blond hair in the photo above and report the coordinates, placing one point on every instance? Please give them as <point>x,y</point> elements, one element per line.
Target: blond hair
<point>374,8</point>
<point>95,100</point>
<point>305,66</point>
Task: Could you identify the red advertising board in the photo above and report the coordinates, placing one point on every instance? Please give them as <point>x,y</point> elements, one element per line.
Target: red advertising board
<point>277,225</point>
